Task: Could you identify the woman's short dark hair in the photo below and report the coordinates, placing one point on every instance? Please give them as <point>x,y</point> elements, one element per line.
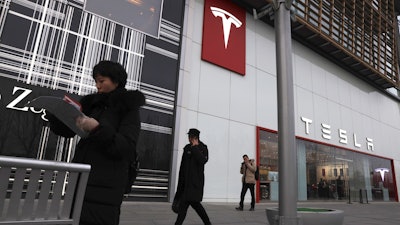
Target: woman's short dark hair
<point>115,71</point>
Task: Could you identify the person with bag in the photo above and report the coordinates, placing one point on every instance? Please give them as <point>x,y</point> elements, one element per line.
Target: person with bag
<point>247,169</point>
<point>191,179</point>
<point>112,122</point>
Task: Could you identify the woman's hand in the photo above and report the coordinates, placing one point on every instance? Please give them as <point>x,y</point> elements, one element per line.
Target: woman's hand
<point>86,123</point>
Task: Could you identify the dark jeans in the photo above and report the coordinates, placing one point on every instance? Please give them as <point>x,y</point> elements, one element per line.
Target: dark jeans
<point>246,186</point>
<point>183,207</point>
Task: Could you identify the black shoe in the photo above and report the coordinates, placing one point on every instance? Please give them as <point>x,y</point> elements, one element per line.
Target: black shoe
<point>251,209</point>
<point>239,208</point>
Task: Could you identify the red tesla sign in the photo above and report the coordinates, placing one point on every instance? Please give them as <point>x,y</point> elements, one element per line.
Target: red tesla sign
<point>224,35</point>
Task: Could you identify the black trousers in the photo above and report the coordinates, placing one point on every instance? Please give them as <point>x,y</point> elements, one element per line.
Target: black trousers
<point>99,214</point>
<point>246,186</point>
<point>183,207</point>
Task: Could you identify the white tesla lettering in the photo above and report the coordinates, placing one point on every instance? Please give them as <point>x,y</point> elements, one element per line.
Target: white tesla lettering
<point>307,123</point>
<point>227,20</point>
<point>344,137</point>
<point>358,145</point>
<point>326,131</point>
<point>370,144</point>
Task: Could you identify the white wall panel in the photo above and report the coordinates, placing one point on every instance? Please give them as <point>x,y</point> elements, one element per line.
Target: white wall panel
<point>390,114</point>
<point>302,75</point>
<point>332,89</point>
<point>318,79</point>
<point>214,90</point>
<point>355,98</point>
<point>214,131</point>
<point>344,92</point>
<point>266,105</point>
<point>251,45</point>
<point>265,50</point>
<point>365,100</point>
<point>191,80</point>
<point>373,98</point>
<point>320,106</point>
<point>243,97</point>
<point>198,21</point>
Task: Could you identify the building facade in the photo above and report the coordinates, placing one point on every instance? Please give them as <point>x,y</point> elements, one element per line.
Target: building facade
<point>211,64</point>
<point>49,47</point>
<point>347,120</point>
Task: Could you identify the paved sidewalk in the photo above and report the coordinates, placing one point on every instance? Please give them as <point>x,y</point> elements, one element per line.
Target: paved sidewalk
<point>159,213</point>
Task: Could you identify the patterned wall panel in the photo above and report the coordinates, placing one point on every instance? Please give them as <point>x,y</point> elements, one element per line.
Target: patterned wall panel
<point>50,47</point>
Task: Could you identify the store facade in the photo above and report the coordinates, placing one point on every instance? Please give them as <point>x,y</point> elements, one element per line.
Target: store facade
<point>346,129</point>
<point>326,172</point>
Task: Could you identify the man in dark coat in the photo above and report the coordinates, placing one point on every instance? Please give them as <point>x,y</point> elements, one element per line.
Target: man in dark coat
<point>113,124</point>
<point>191,178</point>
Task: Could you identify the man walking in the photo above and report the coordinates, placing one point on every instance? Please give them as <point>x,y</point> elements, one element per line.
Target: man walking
<point>248,170</point>
<point>191,178</point>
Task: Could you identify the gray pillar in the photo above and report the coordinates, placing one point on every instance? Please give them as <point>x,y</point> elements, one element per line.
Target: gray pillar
<point>286,133</point>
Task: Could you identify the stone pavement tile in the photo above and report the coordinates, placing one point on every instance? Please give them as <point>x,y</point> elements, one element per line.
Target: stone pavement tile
<point>159,213</point>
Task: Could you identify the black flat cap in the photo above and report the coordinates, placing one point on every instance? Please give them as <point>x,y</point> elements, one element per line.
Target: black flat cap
<point>194,132</point>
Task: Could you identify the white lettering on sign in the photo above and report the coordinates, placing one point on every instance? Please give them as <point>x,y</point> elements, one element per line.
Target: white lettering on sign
<point>20,98</point>
<point>370,144</point>
<point>326,133</point>
<point>342,136</point>
<point>307,122</point>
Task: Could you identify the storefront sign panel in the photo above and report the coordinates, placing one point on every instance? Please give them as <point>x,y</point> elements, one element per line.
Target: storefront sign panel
<point>224,35</point>
<point>343,135</point>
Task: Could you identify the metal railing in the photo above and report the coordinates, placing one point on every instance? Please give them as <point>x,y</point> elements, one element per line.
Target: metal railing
<point>40,191</point>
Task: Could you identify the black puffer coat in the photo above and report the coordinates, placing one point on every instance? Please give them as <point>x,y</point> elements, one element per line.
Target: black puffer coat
<point>191,173</point>
<point>107,149</point>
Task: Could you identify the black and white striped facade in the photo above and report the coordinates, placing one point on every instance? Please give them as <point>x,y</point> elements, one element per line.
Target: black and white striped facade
<point>49,47</point>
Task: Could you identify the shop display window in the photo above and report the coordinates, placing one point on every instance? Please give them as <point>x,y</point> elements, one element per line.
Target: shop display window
<point>326,172</point>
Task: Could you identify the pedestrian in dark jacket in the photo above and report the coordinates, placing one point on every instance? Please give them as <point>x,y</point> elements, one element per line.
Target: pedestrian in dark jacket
<point>113,123</point>
<point>191,178</point>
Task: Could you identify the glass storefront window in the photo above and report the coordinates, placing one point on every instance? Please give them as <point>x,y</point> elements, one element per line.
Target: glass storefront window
<point>327,172</point>
<point>268,165</point>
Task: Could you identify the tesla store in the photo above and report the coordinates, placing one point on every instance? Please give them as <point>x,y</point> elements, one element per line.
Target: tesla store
<point>346,128</point>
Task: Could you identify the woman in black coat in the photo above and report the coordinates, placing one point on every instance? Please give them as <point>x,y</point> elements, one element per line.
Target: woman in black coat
<point>191,178</point>
<point>113,123</point>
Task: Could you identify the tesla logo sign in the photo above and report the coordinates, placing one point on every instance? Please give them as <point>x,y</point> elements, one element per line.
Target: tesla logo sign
<point>224,35</point>
<point>382,171</point>
<point>227,21</point>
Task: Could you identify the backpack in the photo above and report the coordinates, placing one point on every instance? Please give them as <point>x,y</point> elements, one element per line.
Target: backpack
<point>257,174</point>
